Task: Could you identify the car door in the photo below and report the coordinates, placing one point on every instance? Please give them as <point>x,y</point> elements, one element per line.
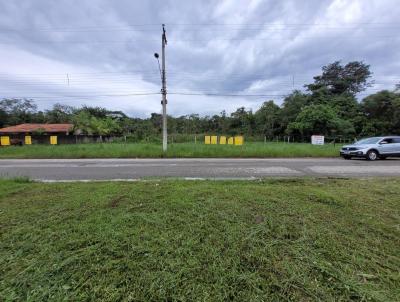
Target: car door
<point>386,146</point>
<point>396,146</point>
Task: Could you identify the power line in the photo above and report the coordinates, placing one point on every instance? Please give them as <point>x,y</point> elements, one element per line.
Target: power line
<point>226,95</point>
<point>86,96</point>
<point>205,40</point>
<point>172,25</point>
<point>199,93</point>
<point>97,30</point>
<point>196,73</point>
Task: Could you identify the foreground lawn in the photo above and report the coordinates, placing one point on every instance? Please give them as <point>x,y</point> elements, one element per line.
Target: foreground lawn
<point>115,150</point>
<point>272,240</point>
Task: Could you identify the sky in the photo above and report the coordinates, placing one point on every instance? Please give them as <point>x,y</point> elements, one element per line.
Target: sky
<point>220,55</point>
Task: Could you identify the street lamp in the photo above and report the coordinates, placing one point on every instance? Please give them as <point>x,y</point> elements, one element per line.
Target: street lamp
<point>156,55</point>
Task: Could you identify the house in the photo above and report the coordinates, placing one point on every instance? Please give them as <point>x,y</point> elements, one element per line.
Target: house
<point>36,133</point>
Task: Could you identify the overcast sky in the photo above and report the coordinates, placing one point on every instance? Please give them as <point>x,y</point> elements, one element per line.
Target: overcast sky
<point>100,52</point>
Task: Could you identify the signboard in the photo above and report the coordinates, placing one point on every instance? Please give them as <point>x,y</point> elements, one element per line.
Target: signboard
<point>317,139</point>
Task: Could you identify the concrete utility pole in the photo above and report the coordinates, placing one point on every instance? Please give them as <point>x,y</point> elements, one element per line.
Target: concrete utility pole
<point>164,90</point>
<point>164,87</point>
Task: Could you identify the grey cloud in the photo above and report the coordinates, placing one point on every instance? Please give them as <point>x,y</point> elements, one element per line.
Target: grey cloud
<point>233,47</point>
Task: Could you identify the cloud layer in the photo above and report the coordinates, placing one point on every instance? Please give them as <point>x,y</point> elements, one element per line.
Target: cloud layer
<point>100,52</point>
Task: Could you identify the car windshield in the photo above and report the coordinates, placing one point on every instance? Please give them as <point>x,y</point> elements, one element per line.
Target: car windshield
<point>366,141</point>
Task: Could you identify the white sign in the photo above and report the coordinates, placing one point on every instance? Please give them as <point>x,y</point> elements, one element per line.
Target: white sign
<point>317,139</point>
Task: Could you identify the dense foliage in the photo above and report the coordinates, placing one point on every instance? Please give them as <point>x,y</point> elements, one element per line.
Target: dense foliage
<point>328,106</point>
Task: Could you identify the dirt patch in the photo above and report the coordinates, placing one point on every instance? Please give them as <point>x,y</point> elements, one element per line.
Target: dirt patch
<point>259,219</point>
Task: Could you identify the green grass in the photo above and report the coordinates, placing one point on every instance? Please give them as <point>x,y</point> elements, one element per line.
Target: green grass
<point>271,240</point>
<point>174,150</point>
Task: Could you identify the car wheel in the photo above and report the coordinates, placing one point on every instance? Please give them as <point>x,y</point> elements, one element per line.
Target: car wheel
<point>346,157</point>
<point>372,155</point>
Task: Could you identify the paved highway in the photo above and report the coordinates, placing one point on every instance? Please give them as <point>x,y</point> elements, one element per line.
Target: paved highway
<point>130,169</point>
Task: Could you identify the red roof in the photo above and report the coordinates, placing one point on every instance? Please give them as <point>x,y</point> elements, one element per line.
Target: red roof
<point>22,128</point>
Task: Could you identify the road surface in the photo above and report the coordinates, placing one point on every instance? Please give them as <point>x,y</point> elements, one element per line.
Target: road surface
<point>131,169</point>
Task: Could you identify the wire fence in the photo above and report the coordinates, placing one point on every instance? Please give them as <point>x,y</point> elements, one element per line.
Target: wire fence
<point>19,139</point>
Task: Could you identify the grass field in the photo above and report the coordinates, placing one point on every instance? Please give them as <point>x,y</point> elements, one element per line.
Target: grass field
<point>271,240</point>
<point>115,150</point>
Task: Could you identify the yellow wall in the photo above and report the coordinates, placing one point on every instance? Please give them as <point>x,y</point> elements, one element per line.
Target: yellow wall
<point>223,140</point>
<point>28,140</point>
<point>5,140</point>
<point>53,140</point>
<point>238,140</point>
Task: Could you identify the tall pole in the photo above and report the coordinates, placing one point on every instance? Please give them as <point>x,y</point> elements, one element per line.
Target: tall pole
<point>164,90</point>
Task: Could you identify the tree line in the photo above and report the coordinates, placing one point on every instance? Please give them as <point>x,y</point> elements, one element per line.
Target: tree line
<point>328,106</point>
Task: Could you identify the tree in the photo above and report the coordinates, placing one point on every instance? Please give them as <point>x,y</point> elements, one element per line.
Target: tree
<point>3,118</point>
<point>60,114</point>
<point>106,126</point>
<point>320,119</point>
<point>351,78</point>
<point>156,120</point>
<point>267,119</point>
<point>98,112</point>
<point>242,122</point>
<point>194,124</point>
<point>18,110</point>
<point>345,104</point>
<point>224,122</point>
<point>291,107</point>
<point>382,113</point>
<point>82,123</point>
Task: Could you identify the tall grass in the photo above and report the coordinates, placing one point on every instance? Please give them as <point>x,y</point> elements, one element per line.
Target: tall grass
<point>286,240</point>
<point>120,150</point>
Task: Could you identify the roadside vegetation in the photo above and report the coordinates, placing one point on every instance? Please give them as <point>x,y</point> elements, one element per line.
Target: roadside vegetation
<point>177,150</point>
<point>270,240</point>
<point>328,106</point>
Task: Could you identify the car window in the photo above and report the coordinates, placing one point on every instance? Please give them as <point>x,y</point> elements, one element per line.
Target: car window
<point>396,140</point>
<point>387,141</point>
<point>366,141</point>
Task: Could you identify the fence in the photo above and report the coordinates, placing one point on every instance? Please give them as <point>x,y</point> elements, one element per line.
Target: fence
<point>199,138</point>
<point>172,139</point>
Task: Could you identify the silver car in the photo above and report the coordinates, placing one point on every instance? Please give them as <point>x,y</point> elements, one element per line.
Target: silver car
<point>373,148</point>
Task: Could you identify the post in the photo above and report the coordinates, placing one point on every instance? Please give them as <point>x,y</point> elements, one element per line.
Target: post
<point>164,91</point>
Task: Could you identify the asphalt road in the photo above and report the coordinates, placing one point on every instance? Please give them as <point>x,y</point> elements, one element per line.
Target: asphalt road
<point>130,169</point>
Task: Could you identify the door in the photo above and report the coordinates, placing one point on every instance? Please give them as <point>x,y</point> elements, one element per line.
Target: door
<point>387,146</point>
<point>396,146</point>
